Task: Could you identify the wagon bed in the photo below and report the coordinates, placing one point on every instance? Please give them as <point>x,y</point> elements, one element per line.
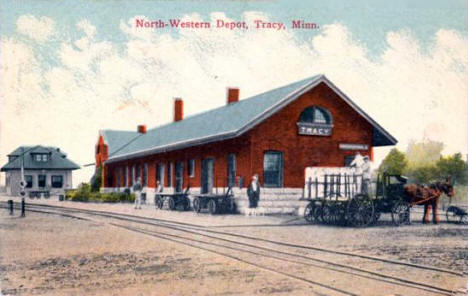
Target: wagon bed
<point>177,200</point>
<point>214,203</point>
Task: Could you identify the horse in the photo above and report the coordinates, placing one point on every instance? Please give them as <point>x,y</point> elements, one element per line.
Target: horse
<point>429,196</point>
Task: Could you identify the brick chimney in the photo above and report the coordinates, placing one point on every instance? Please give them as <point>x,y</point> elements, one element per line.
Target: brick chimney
<point>178,109</point>
<point>141,129</point>
<point>232,95</point>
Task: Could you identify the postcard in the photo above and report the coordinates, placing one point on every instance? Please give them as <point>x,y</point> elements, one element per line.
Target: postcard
<point>175,147</point>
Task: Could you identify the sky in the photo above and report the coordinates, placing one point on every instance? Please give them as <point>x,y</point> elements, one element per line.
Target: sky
<point>71,68</point>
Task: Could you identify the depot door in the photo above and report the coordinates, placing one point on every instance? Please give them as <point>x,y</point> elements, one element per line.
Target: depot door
<point>207,175</point>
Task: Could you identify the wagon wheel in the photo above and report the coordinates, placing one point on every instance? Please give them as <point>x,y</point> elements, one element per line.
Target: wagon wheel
<point>160,202</point>
<point>451,215</point>
<point>186,204</point>
<point>318,213</point>
<point>232,206</point>
<point>332,213</point>
<point>212,206</point>
<point>172,203</point>
<point>401,213</point>
<point>360,211</point>
<point>309,212</point>
<point>338,214</point>
<point>326,213</point>
<point>197,205</point>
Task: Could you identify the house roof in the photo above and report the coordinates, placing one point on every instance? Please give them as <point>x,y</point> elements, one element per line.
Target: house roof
<point>225,122</point>
<point>57,159</point>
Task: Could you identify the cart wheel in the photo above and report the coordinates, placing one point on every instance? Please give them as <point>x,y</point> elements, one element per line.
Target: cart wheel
<point>160,202</point>
<point>309,212</point>
<point>326,212</point>
<point>318,213</point>
<point>331,213</point>
<point>197,205</point>
<point>401,213</point>
<point>232,206</point>
<point>360,211</point>
<point>451,215</point>
<point>187,204</point>
<point>172,203</point>
<point>212,206</point>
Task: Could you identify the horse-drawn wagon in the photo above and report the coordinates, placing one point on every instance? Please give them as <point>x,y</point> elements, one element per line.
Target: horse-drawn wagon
<point>355,207</point>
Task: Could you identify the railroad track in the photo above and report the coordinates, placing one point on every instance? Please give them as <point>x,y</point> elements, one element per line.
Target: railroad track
<point>229,244</point>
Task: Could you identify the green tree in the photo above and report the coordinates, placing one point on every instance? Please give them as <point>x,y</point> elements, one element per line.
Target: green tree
<point>424,174</point>
<point>96,180</point>
<point>453,166</point>
<point>423,154</point>
<point>394,163</point>
<point>422,158</point>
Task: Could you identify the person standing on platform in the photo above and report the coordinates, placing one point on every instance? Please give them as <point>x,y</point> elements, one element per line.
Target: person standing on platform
<point>366,175</point>
<point>253,192</point>
<point>357,162</point>
<point>137,189</point>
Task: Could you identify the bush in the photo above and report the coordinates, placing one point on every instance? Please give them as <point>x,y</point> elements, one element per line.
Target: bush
<point>110,197</point>
<point>69,194</point>
<point>84,193</point>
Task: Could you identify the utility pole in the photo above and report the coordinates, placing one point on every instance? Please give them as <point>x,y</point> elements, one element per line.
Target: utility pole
<point>22,185</point>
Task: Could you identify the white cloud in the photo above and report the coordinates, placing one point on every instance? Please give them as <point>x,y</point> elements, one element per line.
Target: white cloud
<point>87,28</point>
<point>39,29</point>
<point>413,92</point>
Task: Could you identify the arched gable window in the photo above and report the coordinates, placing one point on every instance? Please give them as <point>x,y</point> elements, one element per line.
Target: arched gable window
<point>315,114</point>
<point>315,121</point>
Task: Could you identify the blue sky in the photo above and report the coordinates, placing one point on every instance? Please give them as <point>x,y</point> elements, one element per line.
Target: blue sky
<point>70,68</point>
<point>368,20</point>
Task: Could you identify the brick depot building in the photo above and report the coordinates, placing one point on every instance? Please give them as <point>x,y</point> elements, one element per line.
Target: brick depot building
<point>276,134</point>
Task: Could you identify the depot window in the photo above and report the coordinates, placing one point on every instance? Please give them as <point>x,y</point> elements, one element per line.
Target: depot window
<point>125,176</point>
<point>273,169</point>
<point>138,173</point>
<point>29,181</point>
<point>145,175</point>
<point>57,181</point>
<point>191,168</point>
<point>232,170</point>
<point>41,181</point>
<point>170,172</point>
<point>160,168</point>
<point>316,114</point>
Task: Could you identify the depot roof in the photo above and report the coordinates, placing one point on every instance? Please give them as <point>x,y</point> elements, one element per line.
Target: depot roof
<point>223,123</point>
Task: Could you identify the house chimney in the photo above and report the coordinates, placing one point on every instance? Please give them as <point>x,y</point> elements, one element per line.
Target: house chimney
<point>178,109</point>
<point>232,95</point>
<point>141,129</point>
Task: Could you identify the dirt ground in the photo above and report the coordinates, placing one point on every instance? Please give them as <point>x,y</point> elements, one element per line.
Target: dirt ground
<point>53,255</point>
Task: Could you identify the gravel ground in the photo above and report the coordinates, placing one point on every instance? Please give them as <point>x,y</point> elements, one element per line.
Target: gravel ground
<point>53,255</point>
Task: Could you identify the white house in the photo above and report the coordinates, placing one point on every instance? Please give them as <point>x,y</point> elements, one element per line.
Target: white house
<point>47,171</point>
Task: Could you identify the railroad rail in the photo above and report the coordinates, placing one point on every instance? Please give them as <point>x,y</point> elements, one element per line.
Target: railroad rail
<point>208,238</point>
